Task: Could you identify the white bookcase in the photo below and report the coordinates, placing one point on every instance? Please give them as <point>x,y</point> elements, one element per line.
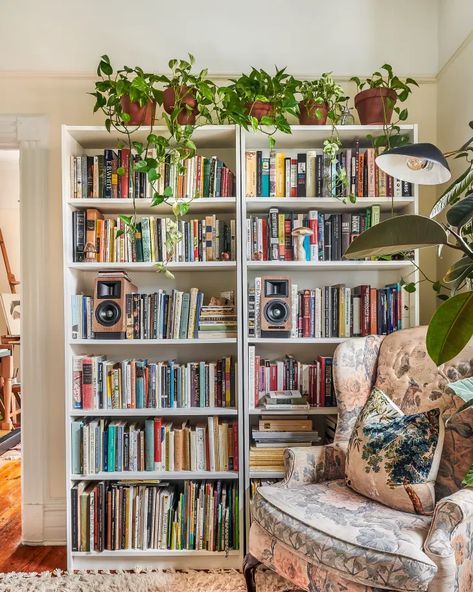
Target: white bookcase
<point>212,278</point>
<point>311,274</point>
<point>229,143</point>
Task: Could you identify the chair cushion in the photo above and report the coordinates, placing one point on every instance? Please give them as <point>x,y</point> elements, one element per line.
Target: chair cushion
<point>394,458</point>
<point>358,538</point>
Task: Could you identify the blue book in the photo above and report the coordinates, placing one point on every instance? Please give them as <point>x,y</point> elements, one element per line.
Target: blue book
<point>171,383</point>
<point>265,177</point>
<point>306,244</point>
<point>321,237</point>
<point>149,444</point>
<point>140,385</point>
<point>111,448</point>
<point>105,450</point>
<point>76,442</point>
<point>119,448</point>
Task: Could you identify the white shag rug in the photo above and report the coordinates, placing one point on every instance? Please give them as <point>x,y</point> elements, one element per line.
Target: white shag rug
<point>140,581</point>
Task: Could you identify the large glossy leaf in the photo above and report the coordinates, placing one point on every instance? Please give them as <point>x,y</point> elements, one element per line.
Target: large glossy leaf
<point>395,235</point>
<point>468,479</point>
<point>452,194</point>
<point>459,271</point>
<point>450,328</point>
<point>462,212</point>
<point>463,388</point>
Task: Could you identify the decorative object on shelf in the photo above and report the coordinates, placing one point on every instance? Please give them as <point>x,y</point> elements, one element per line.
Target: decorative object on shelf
<point>260,101</point>
<point>109,318</point>
<point>321,99</point>
<point>300,234</point>
<point>346,116</point>
<point>377,103</point>
<point>450,328</point>
<point>276,307</point>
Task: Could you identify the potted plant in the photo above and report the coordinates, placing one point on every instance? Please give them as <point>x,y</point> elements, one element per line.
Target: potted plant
<point>187,95</point>
<point>259,100</point>
<point>321,98</point>
<point>375,104</point>
<point>128,96</point>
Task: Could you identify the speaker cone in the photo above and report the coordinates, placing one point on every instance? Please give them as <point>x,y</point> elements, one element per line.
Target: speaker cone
<point>276,312</point>
<point>108,313</point>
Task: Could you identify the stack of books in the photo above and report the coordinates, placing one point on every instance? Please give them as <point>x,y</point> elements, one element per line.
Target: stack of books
<point>269,236</point>
<point>178,315</point>
<point>340,311</point>
<point>274,435</point>
<point>96,177</point>
<point>217,321</point>
<point>102,445</point>
<point>99,383</point>
<point>312,174</point>
<point>109,240</point>
<point>122,515</point>
<point>312,381</point>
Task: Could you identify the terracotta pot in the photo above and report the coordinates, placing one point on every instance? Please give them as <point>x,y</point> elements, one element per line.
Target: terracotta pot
<point>260,109</point>
<point>185,116</point>
<point>139,115</point>
<point>308,112</point>
<point>372,106</point>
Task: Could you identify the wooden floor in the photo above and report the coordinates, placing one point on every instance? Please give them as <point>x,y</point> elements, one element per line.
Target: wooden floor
<point>13,555</point>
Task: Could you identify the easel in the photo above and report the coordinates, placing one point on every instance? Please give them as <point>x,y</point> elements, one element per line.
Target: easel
<point>11,393</point>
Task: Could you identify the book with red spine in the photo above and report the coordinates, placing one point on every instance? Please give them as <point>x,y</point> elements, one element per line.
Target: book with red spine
<point>373,311</point>
<point>321,381</point>
<point>87,383</point>
<point>158,422</point>
<point>306,314</point>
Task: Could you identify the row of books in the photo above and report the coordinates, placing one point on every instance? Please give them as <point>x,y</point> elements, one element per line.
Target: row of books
<point>99,383</point>
<point>101,445</point>
<point>96,238</point>
<point>339,311</point>
<point>120,515</point>
<point>312,174</point>
<point>328,235</point>
<point>97,176</point>
<point>313,381</point>
<point>179,315</point>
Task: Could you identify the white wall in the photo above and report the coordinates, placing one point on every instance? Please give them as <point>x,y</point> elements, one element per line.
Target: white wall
<point>455,23</point>
<point>309,36</point>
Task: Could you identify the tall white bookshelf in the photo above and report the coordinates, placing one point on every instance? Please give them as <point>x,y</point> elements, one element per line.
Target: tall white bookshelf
<point>229,143</point>
<point>310,275</point>
<point>210,277</point>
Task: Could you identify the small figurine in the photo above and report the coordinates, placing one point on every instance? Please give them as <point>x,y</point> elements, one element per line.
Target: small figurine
<point>299,235</point>
<point>225,256</point>
<point>90,252</point>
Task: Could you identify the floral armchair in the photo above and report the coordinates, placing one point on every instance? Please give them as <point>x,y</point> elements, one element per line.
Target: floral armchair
<point>324,537</point>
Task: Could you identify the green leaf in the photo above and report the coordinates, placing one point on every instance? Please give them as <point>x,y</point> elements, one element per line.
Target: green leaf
<point>452,194</point>
<point>462,212</point>
<point>119,233</point>
<point>126,219</point>
<point>121,171</point>
<point>168,191</point>
<point>459,271</point>
<point>468,479</point>
<point>395,235</point>
<point>450,328</point>
<point>463,388</point>
<point>410,287</point>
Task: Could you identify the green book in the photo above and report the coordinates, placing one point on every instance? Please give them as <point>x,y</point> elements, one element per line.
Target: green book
<point>184,315</point>
<point>111,448</point>
<point>149,444</point>
<point>206,177</point>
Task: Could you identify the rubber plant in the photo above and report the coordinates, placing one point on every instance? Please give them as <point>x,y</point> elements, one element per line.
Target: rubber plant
<point>175,143</point>
<point>388,92</point>
<point>260,101</point>
<point>451,327</point>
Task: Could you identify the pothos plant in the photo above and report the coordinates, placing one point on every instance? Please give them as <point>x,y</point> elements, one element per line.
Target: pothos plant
<point>260,101</point>
<point>451,326</point>
<point>384,78</point>
<point>175,143</point>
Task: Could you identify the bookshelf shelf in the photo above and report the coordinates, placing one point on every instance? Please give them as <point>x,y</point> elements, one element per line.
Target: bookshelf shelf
<point>297,340</point>
<point>152,475</point>
<point>311,411</point>
<point>332,204</point>
<point>157,553</point>
<point>201,266</point>
<point>153,342</point>
<point>143,206</point>
<point>329,265</point>
<point>158,412</point>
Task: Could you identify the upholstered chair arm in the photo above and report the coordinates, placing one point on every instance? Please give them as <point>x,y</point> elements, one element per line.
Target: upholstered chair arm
<point>314,464</point>
<point>450,512</point>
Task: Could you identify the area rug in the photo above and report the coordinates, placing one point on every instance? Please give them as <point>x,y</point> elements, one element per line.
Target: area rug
<point>140,581</point>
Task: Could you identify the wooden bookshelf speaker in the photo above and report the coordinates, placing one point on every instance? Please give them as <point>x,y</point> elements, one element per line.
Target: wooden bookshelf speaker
<point>275,307</point>
<point>109,312</point>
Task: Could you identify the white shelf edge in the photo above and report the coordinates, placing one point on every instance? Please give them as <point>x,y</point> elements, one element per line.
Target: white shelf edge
<point>331,265</point>
<point>152,412</point>
<point>154,475</point>
<point>300,340</point>
<point>152,342</point>
<point>155,552</point>
<point>311,411</point>
<point>151,266</point>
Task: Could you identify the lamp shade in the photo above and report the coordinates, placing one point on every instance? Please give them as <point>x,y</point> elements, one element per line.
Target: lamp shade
<point>423,164</point>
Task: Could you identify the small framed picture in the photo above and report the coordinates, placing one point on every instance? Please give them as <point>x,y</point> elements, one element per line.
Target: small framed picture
<point>11,308</point>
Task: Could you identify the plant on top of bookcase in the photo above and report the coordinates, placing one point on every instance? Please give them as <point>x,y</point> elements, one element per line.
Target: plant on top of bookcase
<point>377,103</point>
<point>260,101</point>
<point>322,99</point>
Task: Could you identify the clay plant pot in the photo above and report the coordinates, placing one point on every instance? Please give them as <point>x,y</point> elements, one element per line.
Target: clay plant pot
<point>260,109</point>
<point>138,115</point>
<point>185,116</point>
<point>308,112</point>
<point>373,107</point>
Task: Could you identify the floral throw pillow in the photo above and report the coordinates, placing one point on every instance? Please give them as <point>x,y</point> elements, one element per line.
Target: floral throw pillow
<point>394,458</point>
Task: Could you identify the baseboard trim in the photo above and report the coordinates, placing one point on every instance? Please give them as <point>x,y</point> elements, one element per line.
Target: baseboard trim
<point>46,524</point>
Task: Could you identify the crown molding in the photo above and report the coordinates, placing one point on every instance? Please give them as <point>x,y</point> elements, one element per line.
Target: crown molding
<point>468,39</point>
